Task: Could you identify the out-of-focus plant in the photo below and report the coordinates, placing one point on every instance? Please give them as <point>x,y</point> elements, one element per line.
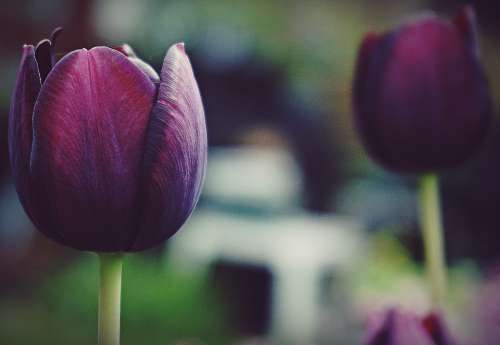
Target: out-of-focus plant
<point>160,305</point>
<point>401,328</point>
<point>487,311</point>
<point>387,275</point>
<point>422,105</point>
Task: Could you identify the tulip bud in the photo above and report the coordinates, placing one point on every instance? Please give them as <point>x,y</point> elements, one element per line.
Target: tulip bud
<point>421,98</point>
<point>397,328</point>
<point>107,156</point>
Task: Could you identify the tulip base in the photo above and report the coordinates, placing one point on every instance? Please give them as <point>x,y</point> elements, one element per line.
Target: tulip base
<point>432,232</point>
<point>109,298</point>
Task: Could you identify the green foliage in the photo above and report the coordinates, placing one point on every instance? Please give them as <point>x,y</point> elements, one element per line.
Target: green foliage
<point>159,306</point>
<point>388,276</point>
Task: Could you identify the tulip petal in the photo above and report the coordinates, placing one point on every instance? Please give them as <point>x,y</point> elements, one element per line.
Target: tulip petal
<point>436,328</point>
<point>407,330</point>
<point>127,50</point>
<point>46,55</point>
<point>446,73</point>
<point>465,21</point>
<point>176,153</point>
<point>422,103</point>
<point>362,86</point>
<point>43,58</point>
<point>372,58</point>
<point>53,40</point>
<point>89,126</point>
<point>365,53</point>
<point>397,328</point>
<point>20,133</point>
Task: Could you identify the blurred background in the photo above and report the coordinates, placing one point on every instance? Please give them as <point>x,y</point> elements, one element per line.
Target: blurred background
<point>298,237</point>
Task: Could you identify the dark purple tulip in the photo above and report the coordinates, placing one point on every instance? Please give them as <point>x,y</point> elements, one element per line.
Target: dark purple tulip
<point>421,99</point>
<point>398,328</point>
<point>107,156</point>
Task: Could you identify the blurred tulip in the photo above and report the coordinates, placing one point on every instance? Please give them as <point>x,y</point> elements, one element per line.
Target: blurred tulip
<point>421,98</point>
<point>486,310</point>
<point>106,155</point>
<point>397,328</point>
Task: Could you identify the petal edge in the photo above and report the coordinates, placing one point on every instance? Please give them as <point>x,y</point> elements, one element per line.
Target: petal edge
<point>20,132</point>
<point>176,152</point>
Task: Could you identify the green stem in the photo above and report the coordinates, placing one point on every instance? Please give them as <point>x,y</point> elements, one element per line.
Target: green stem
<point>432,231</point>
<point>109,298</point>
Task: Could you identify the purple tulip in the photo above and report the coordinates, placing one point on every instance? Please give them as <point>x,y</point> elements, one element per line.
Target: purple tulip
<point>398,328</point>
<point>107,156</point>
<point>421,98</point>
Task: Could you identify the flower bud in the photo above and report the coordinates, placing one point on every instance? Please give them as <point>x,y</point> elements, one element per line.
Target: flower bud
<point>421,99</point>
<point>398,328</point>
<point>107,156</point>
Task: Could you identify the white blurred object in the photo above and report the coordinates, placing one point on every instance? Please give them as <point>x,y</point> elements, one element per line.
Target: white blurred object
<point>298,250</point>
<point>266,177</point>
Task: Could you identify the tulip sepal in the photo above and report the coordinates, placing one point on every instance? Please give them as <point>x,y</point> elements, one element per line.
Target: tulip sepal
<point>432,233</point>
<point>110,283</point>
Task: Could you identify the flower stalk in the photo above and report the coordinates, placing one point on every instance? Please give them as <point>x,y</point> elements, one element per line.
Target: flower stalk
<point>432,233</point>
<point>109,298</point>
